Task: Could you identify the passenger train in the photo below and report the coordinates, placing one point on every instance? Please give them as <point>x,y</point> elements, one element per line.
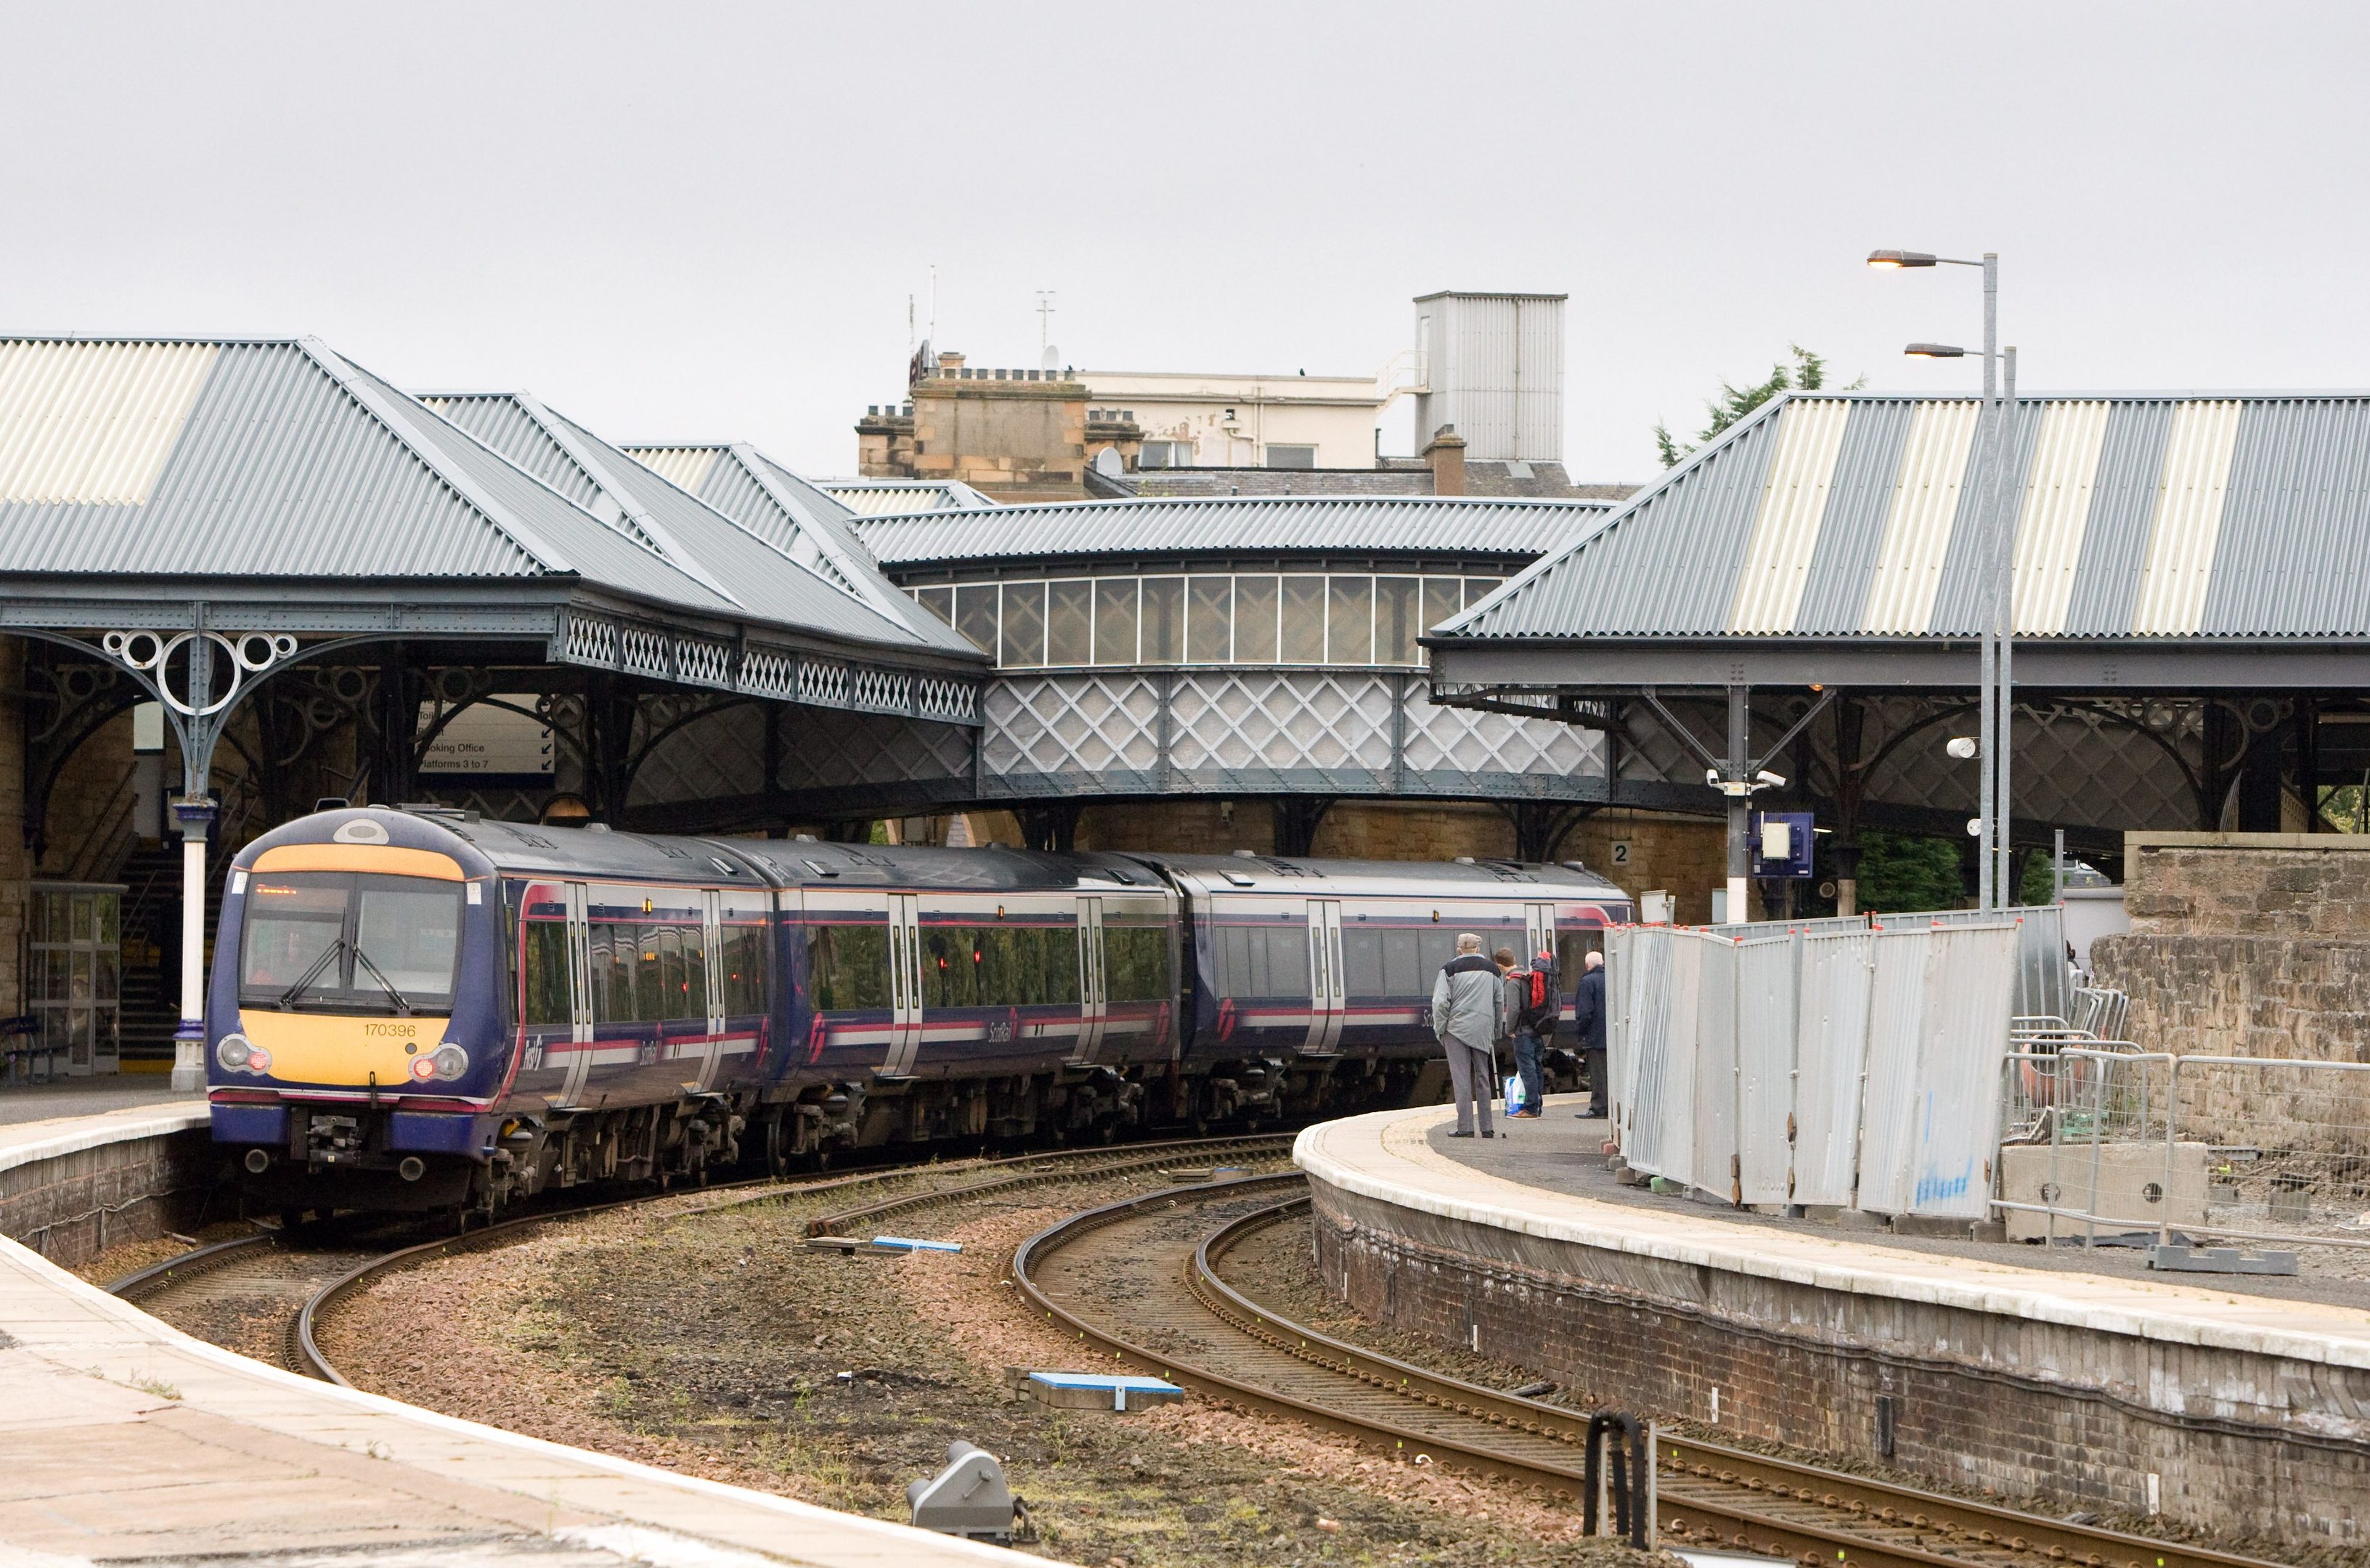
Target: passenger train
<point>417,1009</point>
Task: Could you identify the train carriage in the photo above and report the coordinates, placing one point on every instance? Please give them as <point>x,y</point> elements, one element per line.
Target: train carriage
<point>414,1008</point>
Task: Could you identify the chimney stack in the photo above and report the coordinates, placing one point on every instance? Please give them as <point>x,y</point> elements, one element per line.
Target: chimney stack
<point>1445,456</point>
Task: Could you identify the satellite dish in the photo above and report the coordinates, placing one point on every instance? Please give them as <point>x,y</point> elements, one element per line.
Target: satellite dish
<point>1109,464</point>
<point>1051,359</point>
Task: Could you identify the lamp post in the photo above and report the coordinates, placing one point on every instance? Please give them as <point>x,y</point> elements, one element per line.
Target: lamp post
<point>1993,811</point>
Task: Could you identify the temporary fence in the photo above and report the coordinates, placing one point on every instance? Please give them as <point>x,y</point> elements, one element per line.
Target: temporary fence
<point>2112,1142</point>
<point>1831,1062</point>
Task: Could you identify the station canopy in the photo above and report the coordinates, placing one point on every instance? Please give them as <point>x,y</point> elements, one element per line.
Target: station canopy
<point>2191,601</point>
<point>274,486</point>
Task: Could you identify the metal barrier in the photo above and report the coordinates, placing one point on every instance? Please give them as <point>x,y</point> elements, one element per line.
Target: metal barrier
<point>2113,1140</point>
<point>1831,1062</point>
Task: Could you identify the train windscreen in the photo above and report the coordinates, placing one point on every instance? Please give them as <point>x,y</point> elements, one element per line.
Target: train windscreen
<point>347,942</point>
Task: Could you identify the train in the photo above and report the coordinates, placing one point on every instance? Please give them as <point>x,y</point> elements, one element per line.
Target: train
<point>416,1008</point>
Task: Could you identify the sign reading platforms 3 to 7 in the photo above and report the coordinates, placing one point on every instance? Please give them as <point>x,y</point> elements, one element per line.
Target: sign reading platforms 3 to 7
<point>489,741</point>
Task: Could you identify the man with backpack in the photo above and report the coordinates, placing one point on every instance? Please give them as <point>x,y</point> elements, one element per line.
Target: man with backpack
<point>1588,1016</point>
<point>1533,1007</point>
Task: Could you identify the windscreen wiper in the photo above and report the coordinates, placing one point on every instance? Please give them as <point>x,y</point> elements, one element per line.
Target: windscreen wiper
<point>288,998</point>
<point>402,1002</point>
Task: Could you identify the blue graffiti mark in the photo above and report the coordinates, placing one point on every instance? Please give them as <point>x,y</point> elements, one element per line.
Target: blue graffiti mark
<point>1930,1188</point>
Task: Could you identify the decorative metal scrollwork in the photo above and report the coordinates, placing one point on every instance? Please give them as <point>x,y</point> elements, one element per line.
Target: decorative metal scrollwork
<point>151,654</point>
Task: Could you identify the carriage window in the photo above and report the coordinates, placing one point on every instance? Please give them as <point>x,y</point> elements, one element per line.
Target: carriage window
<point>543,972</point>
<point>1362,960</point>
<point>1438,945</point>
<point>949,968</point>
<point>1265,961</point>
<point>848,967</point>
<point>1136,958</point>
<point>614,953</point>
<point>741,963</point>
<point>1572,948</point>
<point>1004,957</point>
<point>1061,965</point>
<point>1403,973</point>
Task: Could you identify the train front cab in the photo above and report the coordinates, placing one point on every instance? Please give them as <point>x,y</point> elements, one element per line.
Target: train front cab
<point>356,1021</point>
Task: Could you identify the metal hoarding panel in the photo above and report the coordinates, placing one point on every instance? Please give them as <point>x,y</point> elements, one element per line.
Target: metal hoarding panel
<point>1830,1031</point>
<point>2043,988</point>
<point>1793,504</point>
<point>2188,522</point>
<point>1642,986</point>
<point>1712,1157</point>
<point>1917,524</point>
<point>1896,1016</point>
<point>1674,1081</point>
<point>1766,1049</point>
<point>1954,1106</point>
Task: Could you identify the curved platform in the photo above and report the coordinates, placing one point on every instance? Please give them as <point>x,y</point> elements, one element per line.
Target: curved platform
<point>2235,1410</point>
<point>121,1438</point>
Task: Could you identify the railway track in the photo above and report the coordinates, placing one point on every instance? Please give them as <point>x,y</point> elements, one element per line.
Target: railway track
<point>266,1295</point>
<point>1140,1280</point>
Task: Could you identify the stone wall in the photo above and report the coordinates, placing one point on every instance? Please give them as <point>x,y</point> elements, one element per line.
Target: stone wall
<point>2252,944</point>
<point>2241,1443</point>
<point>2248,884</point>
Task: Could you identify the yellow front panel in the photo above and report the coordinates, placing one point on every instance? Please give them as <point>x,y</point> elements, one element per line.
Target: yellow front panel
<point>386,859</point>
<point>313,1048</point>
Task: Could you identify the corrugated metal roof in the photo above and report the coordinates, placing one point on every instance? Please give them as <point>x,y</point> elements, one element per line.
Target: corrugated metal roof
<point>2137,514</point>
<point>92,422</point>
<point>1316,524</point>
<point>880,498</point>
<point>730,560</point>
<point>801,523</point>
<point>281,459</point>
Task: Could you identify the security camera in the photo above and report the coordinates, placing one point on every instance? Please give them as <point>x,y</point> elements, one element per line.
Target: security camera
<point>1962,746</point>
<point>1711,777</point>
<point>1768,780</point>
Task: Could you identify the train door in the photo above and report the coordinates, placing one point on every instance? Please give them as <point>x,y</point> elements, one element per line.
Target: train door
<point>711,943</point>
<point>1539,933</point>
<point>580,990</point>
<point>1094,991</point>
<point>904,984</point>
<point>1327,998</point>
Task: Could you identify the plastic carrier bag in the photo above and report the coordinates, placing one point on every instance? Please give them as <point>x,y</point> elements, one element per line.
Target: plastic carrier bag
<point>1517,1099</point>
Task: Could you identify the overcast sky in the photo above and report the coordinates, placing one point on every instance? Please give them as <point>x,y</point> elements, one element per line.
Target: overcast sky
<point>703,221</point>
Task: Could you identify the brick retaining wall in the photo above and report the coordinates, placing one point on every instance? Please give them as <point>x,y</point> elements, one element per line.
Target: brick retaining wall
<point>2255,1445</point>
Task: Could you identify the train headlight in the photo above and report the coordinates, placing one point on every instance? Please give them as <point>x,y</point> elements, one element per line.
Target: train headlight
<point>449,1063</point>
<point>239,1054</point>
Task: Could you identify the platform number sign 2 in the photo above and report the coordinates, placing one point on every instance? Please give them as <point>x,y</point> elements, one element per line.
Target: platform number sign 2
<point>1620,852</point>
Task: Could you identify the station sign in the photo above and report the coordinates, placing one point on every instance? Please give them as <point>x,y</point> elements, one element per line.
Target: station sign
<point>485,740</point>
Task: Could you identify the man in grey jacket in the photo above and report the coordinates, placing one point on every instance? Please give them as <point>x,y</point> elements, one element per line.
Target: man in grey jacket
<point>1468,1005</point>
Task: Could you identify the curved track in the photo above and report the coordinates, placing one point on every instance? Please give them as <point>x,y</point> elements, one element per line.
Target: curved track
<point>1141,1279</point>
<point>265,1295</point>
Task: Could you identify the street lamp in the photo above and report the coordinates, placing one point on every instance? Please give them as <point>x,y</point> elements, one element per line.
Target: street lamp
<point>1997,684</point>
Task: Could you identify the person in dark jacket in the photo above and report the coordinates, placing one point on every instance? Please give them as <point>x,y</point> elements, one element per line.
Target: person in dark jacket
<point>1534,1007</point>
<point>1588,1018</point>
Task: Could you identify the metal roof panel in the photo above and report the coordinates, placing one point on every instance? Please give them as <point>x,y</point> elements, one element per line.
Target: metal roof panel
<point>1221,524</point>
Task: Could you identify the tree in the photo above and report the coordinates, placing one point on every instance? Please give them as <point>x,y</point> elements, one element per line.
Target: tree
<point>1807,374</point>
<point>1908,871</point>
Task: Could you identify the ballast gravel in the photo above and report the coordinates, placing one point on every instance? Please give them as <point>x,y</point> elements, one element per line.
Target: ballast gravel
<point>720,1344</point>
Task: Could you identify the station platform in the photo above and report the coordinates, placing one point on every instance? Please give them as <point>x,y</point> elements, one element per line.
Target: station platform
<point>122,1440</point>
<point>89,1096</point>
<point>2037,1374</point>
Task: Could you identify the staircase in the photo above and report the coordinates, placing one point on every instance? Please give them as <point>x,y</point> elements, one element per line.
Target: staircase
<point>151,947</point>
